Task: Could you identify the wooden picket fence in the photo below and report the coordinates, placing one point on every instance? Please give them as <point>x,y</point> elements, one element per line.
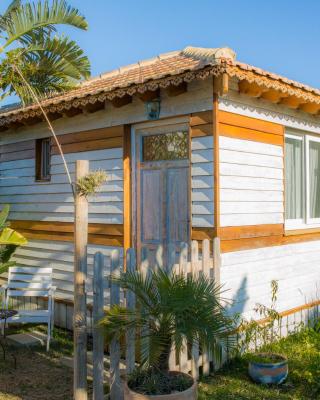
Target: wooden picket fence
<point>194,258</point>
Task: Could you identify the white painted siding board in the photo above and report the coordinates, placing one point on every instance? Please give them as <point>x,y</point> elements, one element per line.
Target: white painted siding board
<point>236,157</point>
<point>250,207</point>
<point>250,195</point>
<point>249,146</point>
<point>59,256</point>
<point>202,181</point>
<point>251,219</point>
<point>250,183</point>
<point>249,171</point>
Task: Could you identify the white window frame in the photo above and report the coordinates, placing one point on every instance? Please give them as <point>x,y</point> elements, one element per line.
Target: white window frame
<point>305,222</point>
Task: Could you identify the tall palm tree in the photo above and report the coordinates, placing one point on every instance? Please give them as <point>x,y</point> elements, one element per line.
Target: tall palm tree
<point>30,43</point>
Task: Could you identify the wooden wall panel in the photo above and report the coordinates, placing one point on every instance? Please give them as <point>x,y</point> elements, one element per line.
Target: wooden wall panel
<point>17,151</point>
<point>104,234</point>
<point>105,138</point>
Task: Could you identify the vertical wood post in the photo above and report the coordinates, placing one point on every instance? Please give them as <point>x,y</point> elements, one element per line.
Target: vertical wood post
<point>115,385</point>
<point>195,345</point>
<point>216,261</point>
<point>80,277</point>
<point>183,270</point>
<point>98,340</point>
<point>131,303</point>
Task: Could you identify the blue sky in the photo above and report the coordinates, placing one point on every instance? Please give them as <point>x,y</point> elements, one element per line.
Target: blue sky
<point>280,36</point>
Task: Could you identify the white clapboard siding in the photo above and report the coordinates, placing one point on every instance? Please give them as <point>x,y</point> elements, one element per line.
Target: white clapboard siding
<point>202,181</point>
<point>59,256</point>
<point>251,182</point>
<point>247,276</point>
<point>52,201</point>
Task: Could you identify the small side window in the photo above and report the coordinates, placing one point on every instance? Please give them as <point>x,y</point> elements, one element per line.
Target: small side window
<point>43,159</point>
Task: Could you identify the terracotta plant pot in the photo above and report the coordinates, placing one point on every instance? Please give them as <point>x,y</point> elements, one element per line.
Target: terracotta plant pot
<point>269,372</point>
<point>189,394</point>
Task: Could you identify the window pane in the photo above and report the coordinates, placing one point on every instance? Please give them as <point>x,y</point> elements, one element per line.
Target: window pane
<point>167,146</point>
<point>314,178</point>
<point>294,181</point>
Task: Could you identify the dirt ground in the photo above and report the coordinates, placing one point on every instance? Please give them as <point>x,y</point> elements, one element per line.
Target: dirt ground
<point>38,376</point>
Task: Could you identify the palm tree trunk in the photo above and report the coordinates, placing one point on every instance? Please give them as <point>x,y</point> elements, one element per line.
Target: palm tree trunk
<point>163,362</point>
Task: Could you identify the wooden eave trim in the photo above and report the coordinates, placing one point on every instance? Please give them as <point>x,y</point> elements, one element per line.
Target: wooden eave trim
<point>57,105</point>
<point>268,82</point>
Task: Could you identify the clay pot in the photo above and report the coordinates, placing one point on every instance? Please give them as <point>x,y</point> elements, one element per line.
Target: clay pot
<point>189,394</point>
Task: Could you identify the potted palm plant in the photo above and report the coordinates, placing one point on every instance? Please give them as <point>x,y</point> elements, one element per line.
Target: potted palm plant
<point>171,309</point>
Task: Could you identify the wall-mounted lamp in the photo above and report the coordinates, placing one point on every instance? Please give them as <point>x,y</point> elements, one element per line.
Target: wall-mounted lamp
<point>153,109</point>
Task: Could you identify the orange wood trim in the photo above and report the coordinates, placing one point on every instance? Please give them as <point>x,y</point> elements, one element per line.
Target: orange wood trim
<point>90,145</point>
<point>250,231</point>
<point>299,308</point>
<point>228,246</point>
<point>201,118</point>
<point>250,123</point>
<point>202,233</point>
<point>250,134</point>
<point>216,163</point>
<point>201,130</point>
<point>127,188</point>
<point>66,227</point>
<point>95,134</point>
<point>265,241</point>
<point>104,240</point>
<point>295,232</point>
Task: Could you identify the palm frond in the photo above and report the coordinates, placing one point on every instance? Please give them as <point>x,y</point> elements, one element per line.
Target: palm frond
<point>31,17</point>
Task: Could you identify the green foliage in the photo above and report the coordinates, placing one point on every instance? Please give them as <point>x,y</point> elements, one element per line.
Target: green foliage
<point>170,309</point>
<point>9,240</point>
<point>151,382</point>
<point>90,184</point>
<point>303,352</point>
<point>263,332</point>
<point>50,62</point>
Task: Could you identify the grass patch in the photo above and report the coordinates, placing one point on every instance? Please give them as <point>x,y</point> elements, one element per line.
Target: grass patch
<point>303,352</point>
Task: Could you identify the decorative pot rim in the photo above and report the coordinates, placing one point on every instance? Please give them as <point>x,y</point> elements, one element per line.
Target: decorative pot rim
<point>169,395</point>
<point>270,364</point>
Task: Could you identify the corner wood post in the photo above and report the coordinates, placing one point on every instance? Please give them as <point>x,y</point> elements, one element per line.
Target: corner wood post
<point>80,300</point>
<point>98,339</point>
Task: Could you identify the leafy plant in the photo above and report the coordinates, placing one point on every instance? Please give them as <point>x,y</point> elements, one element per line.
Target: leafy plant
<point>50,62</point>
<point>171,309</point>
<point>9,240</point>
<point>90,184</point>
<point>262,332</point>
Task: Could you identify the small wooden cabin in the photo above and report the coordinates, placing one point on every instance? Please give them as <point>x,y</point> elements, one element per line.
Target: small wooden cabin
<point>196,145</point>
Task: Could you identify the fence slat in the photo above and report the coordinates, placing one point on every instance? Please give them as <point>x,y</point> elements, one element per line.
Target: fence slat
<point>206,273</point>
<point>115,385</point>
<point>98,340</point>
<point>195,345</point>
<point>130,336</point>
<point>183,269</point>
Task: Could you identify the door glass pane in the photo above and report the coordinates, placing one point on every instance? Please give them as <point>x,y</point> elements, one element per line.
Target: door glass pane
<point>166,146</point>
<point>314,179</point>
<point>294,180</point>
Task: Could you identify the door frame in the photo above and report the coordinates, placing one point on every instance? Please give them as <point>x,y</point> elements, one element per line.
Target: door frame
<point>183,120</point>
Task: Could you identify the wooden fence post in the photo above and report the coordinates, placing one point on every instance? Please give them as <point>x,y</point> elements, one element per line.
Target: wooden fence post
<point>115,384</point>
<point>98,340</point>
<point>80,277</point>
<point>131,303</point>
<point>195,345</point>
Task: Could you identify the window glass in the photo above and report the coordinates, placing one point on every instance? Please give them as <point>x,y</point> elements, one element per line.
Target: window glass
<point>294,178</point>
<point>314,179</point>
<point>166,146</point>
<point>43,159</point>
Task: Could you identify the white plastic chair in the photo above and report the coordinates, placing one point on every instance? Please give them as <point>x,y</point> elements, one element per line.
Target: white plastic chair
<point>31,282</point>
